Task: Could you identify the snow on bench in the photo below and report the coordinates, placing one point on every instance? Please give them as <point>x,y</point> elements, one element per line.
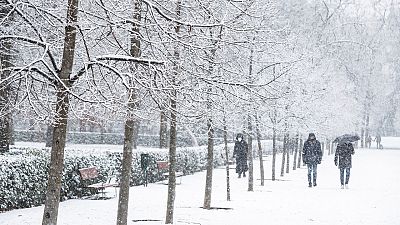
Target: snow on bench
<point>91,173</point>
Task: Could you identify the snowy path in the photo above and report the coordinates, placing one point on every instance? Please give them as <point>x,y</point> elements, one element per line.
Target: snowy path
<point>373,198</point>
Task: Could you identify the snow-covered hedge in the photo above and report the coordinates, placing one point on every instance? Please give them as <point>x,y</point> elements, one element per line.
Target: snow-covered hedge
<point>23,172</point>
<point>105,138</point>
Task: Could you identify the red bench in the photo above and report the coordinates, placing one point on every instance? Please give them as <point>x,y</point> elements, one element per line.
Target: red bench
<point>163,167</point>
<point>90,173</point>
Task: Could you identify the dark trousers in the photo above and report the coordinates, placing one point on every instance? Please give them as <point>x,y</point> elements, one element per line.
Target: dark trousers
<point>342,175</point>
<point>312,173</point>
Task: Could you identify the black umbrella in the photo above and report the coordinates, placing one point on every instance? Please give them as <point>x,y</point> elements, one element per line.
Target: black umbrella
<point>347,138</point>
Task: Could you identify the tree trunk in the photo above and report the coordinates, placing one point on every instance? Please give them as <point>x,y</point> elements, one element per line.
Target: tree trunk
<point>283,156</point>
<point>210,162</point>
<point>49,135</point>
<point>11,130</point>
<point>172,160</point>
<point>296,149</point>
<point>288,149</point>
<point>250,155</point>
<point>362,136</point>
<point>366,128</point>
<point>135,138</point>
<point>52,201</point>
<point>228,188</point>
<point>169,219</point>
<point>163,129</point>
<point>131,124</point>
<point>273,152</point>
<point>260,152</point>
<point>300,153</point>
<point>5,63</point>
<point>4,130</point>
<point>210,145</point>
<point>123,201</point>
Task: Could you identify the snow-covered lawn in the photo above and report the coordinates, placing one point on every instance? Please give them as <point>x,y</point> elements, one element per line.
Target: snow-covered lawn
<point>373,198</point>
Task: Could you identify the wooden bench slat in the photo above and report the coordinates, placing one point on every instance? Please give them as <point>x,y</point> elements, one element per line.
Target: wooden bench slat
<point>101,185</point>
<point>88,173</point>
<point>162,165</point>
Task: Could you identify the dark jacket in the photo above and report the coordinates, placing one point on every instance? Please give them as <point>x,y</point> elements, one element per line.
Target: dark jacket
<point>312,153</point>
<point>240,150</point>
<point>343,154</point>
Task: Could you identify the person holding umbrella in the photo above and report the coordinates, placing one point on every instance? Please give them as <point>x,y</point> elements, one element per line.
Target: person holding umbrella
<point>343,154</point>
<point>312,156</point>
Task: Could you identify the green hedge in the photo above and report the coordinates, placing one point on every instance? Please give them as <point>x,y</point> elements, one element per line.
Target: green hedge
<point>23,172</point>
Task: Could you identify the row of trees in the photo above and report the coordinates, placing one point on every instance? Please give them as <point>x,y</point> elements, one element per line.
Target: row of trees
<point>265,68</point>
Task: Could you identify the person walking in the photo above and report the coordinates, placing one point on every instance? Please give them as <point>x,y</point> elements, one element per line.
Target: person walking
<point>312,156</point>
<point>368,141</point>
<point>343,154</point>
<point>240,153</point>
<point>378,140</point>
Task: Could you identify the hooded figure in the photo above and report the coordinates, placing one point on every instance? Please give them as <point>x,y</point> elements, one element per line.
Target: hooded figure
<point>343,154</point>
<point>240,153</point>
<point>312,155</point>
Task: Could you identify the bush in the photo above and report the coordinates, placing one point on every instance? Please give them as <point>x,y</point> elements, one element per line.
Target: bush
<point>24,172</point>
<point>106,138</point>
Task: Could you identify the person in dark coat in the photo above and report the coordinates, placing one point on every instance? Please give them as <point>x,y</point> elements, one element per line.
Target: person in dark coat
<point>312,156</point>
<point>378,141</point>
<point>240,153</point>
<point>343,154</point>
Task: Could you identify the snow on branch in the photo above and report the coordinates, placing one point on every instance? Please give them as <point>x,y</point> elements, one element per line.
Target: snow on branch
<point>169,18</point>
<point>125,58</point>
<point>22,38</point>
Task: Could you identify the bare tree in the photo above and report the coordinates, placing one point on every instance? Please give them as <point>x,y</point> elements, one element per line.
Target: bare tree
<point>273,119</point>
<point>250,154</point>
<point>163,129</point>
<point>284,150</point>
<point>5,89</point>
<point>52,201</point>
<point>288,149</point>
<point>210,162</point>
<point>260,151</point>
<point>300,153</point>
<point>228,188</point>
<point>169,219</point>
<point>296,149</point>
<point>131,123</point>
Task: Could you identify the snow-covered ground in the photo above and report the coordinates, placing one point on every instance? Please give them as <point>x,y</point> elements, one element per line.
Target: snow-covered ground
<point>373,198</point>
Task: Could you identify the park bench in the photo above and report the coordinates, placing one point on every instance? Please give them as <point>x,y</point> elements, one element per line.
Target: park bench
<point>91,173</point>
<point>163,167</point>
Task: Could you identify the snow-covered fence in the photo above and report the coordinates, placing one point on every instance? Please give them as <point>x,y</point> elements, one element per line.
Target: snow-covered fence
<point>23,172</point>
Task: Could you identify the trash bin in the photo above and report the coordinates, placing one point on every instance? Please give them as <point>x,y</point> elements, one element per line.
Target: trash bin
<point>144,161</point>
<point>144,164</point>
